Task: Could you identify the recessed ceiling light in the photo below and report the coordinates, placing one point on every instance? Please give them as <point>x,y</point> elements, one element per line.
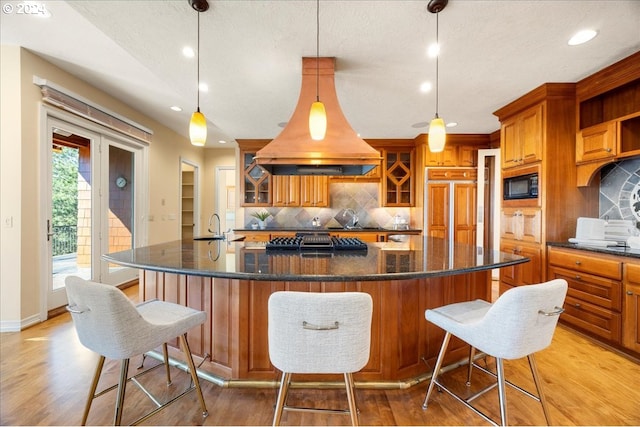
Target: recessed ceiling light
<point>420,125</point>
<point>433,50</point>
<point>222,141</point>
<point>203,87</point>
<point>582,37</point>
<point>451,124</point>
<point>176,108</point>
<point>282,124</point>
<point>188,52</point>
<point>426,87</point>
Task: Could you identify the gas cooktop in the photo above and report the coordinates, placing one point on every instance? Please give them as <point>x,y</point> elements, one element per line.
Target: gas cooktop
<point>315,242</point>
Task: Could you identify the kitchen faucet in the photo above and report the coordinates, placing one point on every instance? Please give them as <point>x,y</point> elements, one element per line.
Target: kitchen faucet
<point>217,233</point>
<point>354,218</point>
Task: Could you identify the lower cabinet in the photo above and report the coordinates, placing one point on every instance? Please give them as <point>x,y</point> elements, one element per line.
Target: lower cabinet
<point>631,313</point>
<point>528,273</point>
<point>604,294</point>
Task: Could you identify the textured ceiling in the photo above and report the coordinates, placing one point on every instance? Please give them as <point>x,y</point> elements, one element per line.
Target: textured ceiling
<point>491,53</point>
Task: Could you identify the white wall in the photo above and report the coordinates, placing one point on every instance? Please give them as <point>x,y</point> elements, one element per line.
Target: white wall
<point>20,180</point>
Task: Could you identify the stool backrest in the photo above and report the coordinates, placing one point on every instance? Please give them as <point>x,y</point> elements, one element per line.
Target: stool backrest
<point>106,321</point>
<point>320,333</point>
<point>522,321</point>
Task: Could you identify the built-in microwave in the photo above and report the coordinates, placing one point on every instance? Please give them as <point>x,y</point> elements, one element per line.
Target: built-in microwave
<point>520,187</point>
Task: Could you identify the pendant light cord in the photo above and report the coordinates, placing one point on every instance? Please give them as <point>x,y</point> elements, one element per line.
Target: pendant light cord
<point>437,57</point>
<point>198,77</point>
<point>317,50</point>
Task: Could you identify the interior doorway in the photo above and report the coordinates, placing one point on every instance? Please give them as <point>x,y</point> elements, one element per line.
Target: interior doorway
<point>189,200</point>
<point>225,197</point>
<point>488,207</point>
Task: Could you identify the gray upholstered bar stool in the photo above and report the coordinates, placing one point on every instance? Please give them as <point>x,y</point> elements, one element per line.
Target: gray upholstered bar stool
<point>520,323</point>
<point>108,323</point>
<point>319,333</point>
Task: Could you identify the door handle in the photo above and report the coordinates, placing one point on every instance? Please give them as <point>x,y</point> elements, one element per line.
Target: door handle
<point>50,234</point>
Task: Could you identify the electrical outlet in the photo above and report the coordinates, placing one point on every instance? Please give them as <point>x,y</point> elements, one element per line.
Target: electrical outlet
<point>8,222</point>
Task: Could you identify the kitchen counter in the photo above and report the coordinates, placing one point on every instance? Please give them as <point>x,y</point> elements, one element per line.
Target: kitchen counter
<point>624,251</point>
<point>330,230</point>
<point>418,257</point>
<point>232,282</point>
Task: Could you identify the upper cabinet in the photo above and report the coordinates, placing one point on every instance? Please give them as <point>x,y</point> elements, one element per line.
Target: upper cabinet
<point>397,186</point>
<point>460,150</point>
<point>607,117</point>
<point>521,138</point>
<point>255,182</point>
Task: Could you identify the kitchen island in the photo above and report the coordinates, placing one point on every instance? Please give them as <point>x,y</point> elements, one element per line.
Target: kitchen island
<point>232,282</point>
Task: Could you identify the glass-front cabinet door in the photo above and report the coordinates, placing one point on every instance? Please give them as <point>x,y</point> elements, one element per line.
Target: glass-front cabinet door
<point>256,182</point>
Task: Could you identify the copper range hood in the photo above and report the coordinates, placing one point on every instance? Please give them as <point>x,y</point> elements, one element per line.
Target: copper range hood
<point>341,152</point>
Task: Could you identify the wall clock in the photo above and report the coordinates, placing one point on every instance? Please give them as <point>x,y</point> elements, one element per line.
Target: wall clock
<point>121,182</point>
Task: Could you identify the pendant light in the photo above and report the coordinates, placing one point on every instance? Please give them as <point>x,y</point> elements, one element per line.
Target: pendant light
<point>317,114</point>
<point>198,124</point>
<point>437,133</point>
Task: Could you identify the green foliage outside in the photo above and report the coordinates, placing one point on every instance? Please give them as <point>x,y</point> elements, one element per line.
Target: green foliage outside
<point>65,200</point>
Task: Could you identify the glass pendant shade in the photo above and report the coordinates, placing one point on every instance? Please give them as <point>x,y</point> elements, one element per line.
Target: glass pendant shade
<point>317,121</point>
<point>198,129</point>
<point>437,135</point>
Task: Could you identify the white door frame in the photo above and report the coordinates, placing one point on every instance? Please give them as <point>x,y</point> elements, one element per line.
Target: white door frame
<point>495,192</point>
<point>83,127</point>
<point>220,196</point>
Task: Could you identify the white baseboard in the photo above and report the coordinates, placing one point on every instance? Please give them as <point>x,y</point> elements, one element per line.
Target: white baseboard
<point>18,325</point>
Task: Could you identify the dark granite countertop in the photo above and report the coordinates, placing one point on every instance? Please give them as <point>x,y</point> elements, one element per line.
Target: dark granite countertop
<point>416,257</point>
<point>624,251</point>
<point>329,230</point>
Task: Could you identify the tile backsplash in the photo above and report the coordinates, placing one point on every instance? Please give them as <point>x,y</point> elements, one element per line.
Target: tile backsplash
<point>620,191</point>
<point>344,198</point>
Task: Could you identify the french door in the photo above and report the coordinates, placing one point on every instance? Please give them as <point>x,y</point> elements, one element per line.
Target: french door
<point>93,179</point>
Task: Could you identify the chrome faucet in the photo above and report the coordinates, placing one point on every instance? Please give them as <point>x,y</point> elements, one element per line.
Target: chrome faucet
<point>354,218</point>
<point>214,215</point>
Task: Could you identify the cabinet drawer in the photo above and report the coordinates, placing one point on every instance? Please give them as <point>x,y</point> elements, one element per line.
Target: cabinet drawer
<point>593,319</point>
<point>633,273</point>
<point>585,263</point>
<point>458,173</point>
<point>600,291</point>
<point>256,237</point>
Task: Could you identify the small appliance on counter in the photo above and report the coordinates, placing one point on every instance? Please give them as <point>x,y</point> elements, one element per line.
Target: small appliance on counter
<point>604,233</point>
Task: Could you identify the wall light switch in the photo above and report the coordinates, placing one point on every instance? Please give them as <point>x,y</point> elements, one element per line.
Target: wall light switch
<point>8,222</point>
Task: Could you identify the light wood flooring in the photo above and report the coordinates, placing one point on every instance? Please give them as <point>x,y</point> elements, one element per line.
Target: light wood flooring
<point>45,373</point>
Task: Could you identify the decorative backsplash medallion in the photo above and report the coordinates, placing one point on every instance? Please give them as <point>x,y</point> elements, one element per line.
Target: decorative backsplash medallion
<point>620,191</point>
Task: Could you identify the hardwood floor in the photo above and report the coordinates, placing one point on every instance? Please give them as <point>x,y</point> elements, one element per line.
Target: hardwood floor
<point>45,374</point>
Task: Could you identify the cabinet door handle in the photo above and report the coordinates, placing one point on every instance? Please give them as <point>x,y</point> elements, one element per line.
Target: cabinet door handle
<point>608,150</point>
<point>629,293</point>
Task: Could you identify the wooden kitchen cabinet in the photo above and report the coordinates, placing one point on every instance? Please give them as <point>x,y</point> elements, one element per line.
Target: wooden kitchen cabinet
<point>521,224</point>
<point>255,183</point>
<point>631,307</point>
<point>451,204</point>
<point>594,297</point>
<point>314,191</point>
<point>596,143</point>
<point>398,183</point>
<point>286,191</point>
<point>528,273</point>
<point>447,157</point>
<point>521,138</point>
<point>538,137</point>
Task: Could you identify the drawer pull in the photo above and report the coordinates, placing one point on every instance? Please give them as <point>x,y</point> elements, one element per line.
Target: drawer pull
<point>577,305</point>
<point>629,293</point>
<point>578,262</point>
<point>578,277</point>
<point>557,311</point>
